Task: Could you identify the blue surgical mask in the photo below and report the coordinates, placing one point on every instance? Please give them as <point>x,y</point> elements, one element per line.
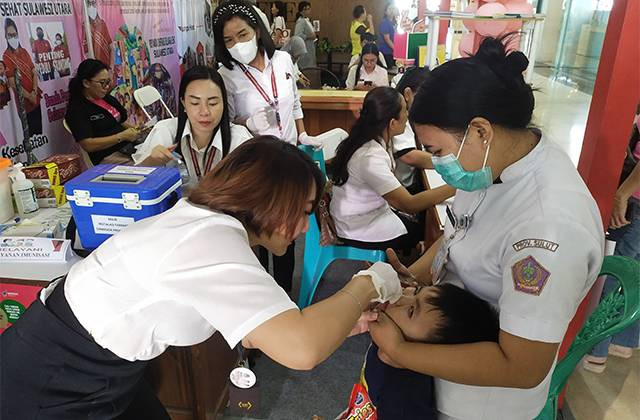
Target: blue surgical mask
<point>454,174</point>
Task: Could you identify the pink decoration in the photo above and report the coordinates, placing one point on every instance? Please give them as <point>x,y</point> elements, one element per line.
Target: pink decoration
<point>513,43</point>
<point>493,27</point>
<point>465,48</point>
<point>522,8</point>
<point>514,26</point>
<point>471,8</point>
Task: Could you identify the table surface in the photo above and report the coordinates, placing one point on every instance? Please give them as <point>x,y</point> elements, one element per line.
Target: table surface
<point>311,94</point>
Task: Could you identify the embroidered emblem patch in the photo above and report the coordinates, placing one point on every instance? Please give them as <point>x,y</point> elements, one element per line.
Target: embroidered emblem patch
<point>529,276</point>
<point>535,243</point>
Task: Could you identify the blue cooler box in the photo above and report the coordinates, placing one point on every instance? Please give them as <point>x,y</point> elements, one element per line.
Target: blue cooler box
<point>108,198</point>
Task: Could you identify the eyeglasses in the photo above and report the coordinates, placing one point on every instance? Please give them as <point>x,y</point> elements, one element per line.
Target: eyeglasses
<point>104,82</point>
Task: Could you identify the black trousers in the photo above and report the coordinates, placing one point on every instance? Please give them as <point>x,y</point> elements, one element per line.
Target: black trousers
<point>282,266</point>
<point>52,369</point>
<point>415,234</point>
<point>389,59</point>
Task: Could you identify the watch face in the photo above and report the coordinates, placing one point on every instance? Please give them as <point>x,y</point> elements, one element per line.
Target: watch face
<point>242,377</point>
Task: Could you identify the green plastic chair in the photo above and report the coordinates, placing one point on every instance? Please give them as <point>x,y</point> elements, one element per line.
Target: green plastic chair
<point>616,311</point>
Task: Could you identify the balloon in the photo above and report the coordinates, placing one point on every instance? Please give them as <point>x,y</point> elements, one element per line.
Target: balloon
<point>471,8</point>
<point>522,8</point>
<point>491,27</point>
<point>465,48</point>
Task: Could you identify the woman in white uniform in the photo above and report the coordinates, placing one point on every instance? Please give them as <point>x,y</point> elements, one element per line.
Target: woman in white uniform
<point>524,234</point>
<point>174,279</point>
<point>262,91</point>
<point>365,187</point>
<point>201,134</point>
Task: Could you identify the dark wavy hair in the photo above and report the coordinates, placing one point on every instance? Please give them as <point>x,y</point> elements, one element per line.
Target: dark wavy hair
<point>380,106</point>
<point>203,73</point>
<point>245,11</point>
<point>489,84</point>
<point>264,183</point>
<point>301,7</point>
<point>87,70</point>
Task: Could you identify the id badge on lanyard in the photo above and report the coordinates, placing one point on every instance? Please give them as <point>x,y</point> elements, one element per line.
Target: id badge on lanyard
<point>460,225</point>
<point>274,104</point>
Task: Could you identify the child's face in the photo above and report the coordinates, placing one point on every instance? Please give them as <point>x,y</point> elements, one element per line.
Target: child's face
<point>413,315</point>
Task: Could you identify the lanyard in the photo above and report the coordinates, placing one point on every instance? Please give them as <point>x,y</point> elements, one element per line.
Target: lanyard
<point>196,165</point>
<point>274,88</point>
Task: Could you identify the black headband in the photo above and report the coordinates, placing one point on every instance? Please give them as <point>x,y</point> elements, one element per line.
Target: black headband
<point>234,9</point>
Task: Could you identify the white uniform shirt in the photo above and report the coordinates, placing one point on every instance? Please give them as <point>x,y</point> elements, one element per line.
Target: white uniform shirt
<point>378,77</point>
<point>172,280</point>
<point>244,100</point>
<point>534,248</point>
<point>357,207</point>
<point>401,145</point>
<point>164,134</point>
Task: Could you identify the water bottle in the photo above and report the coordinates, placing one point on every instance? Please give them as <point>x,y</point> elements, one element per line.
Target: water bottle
<point>182,167</point>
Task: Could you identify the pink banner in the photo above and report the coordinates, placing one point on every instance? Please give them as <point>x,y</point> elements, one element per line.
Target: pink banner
<point>40,50</point>
<point>137,40</point>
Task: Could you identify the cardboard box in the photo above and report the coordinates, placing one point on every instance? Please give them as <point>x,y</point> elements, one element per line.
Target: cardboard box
<point>53,196</point>
<point>43,175</point>
<point>54,170</point>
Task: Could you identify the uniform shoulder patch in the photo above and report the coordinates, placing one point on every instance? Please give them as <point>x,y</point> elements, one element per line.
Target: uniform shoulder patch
<point>535,243</point>
<point>529,276</point>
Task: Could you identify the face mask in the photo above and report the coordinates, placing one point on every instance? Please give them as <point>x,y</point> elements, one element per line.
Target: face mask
<point>454,174</point>
<point>244,52</point>
<point>13,43</point>
<point>92,11</point>
<point>58,42</point>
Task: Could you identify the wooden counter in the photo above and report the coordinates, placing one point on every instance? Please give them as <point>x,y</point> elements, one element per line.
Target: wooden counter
<point>328,109</point>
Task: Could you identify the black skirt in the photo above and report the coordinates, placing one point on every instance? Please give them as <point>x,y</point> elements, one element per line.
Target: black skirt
<point>52,369</point>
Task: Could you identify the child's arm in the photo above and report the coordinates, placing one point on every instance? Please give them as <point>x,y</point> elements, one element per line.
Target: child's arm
<point>512,362</point>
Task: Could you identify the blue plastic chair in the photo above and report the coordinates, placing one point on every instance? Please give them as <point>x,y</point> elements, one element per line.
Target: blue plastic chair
<point>316,257</point>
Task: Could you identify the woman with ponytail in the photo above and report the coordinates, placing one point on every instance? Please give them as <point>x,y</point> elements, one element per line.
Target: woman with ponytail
<point>96,119</point>
<point>524,234</point>
<point>201,135</point>
<point>366,193</point>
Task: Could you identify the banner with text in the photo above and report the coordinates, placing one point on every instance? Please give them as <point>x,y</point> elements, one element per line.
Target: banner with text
<point>40,49</point>
<point>137,40</point>
<point>195,32</point>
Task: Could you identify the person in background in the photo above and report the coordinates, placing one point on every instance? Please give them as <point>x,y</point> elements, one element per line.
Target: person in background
<point>359,27</point>
<point>367,198</point>
<point>279,25</point>
<point>262,92</point>
<point>387,33</point>
<point>368,74</point>
<point>367,38</point>
<point>296,48</point>
<point>16,58</point>
<point>201,135</point>
<point>42,51</point>
<point>99,34</point>
<point>408,157</point>
<point>158,77</point>
<point>64,68</point>
<point>304,29</point>
<point>624,229</point>
<point>96,119</point>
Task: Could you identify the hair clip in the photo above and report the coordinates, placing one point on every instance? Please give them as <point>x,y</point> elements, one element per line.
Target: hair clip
<point>233,9</point>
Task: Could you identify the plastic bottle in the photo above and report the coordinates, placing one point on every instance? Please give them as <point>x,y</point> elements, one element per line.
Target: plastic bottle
<point>25,194</point>
<point>182,167</point>
<point>6,208</point>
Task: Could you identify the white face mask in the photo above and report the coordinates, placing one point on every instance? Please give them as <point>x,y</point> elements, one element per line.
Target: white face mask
<point>58,42</point>
<point>14,43</point>
<point>92,11</point>
<point>245,52</point>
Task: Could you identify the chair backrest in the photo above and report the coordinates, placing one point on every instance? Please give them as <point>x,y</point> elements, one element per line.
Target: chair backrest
<point>320,77</point>
<point>147,96</point>
<point>615,312</point>
<point>83,153</point>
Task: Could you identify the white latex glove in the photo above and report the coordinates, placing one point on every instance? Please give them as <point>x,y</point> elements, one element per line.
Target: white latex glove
<point>258,122</point>
<point>385,280</point>
<point>308,140</point>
